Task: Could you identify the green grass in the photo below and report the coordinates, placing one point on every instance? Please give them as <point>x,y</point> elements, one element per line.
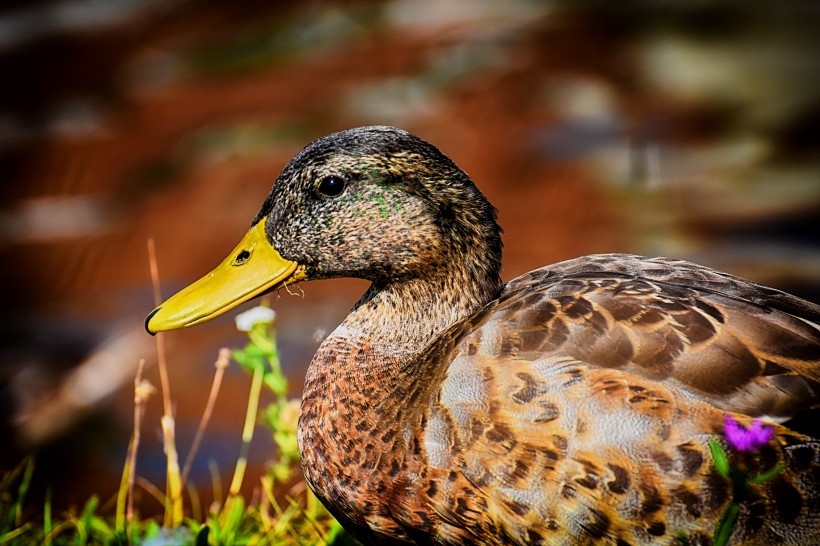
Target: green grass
<point>298,518</point>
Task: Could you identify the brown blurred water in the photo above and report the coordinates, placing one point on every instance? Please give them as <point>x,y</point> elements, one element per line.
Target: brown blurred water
<point>681,129</point>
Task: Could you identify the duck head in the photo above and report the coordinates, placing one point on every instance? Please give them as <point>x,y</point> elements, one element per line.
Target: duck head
<point>375,203</point>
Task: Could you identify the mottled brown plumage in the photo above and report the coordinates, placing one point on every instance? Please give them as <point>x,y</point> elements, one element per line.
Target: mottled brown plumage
<point>572,405</point>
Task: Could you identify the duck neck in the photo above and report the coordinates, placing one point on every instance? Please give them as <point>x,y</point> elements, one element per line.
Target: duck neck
<point>403,318</point>
<point>365,387</point>
<point>394,323</point>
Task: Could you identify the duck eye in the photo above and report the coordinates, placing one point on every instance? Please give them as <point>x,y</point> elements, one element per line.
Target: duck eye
<point>331,186</point>
<point>242,257</point>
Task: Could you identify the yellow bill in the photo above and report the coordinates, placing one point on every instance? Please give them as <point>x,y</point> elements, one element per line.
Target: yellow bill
<point>254,267</point>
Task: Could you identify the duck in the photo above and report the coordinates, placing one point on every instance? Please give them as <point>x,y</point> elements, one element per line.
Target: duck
<point>584,402</point>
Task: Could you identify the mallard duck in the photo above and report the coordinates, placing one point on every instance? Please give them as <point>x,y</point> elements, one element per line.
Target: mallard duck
<point>580,403</point>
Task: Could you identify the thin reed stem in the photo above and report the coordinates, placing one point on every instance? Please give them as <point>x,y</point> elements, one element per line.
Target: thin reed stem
<point>247,431</point>
<point>151,489</point>
<point>221,364</point>
<point>216,482</point>
<point>173,507</point>
<point>125,495</point>
<point>161,362</point>
<point>196,504</point>
<point>173,504</point>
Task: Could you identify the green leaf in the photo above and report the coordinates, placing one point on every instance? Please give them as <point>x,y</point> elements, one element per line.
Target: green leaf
<point>47,513</point>
<point>232,517</point>
<point>250,358</point>
<point>768,475</point>
<point>152,529</point>
<point>276,383</point>
<point>117,538</point>
<point>720,458</point>
<point>260,338</point>
<point>98,526</point>
<point>23,489</point>
<point>89,509</point>
<point>7,537</point>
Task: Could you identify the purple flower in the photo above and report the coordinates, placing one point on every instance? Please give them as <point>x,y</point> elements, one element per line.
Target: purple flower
<point>747,439</point>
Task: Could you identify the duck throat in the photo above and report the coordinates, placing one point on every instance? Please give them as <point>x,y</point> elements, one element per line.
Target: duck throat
<point>392,325</point>
<point>365,392</point>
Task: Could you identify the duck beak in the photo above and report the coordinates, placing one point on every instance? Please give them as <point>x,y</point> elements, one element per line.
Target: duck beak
<point>254,267</point>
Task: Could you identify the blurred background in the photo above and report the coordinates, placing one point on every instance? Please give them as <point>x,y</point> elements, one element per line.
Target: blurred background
<point>688,129</point>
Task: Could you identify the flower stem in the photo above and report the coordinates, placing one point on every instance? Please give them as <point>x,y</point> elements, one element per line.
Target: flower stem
<point>726,525</point>
<point>247,431</point>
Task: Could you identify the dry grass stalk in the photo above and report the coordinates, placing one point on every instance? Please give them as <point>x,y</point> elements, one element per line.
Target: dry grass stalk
<point>222,361</point>
<point>125,497</point>
<point>173,504</point>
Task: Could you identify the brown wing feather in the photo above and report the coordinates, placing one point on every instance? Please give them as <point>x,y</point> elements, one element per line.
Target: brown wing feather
<point>694,329</point>
<point>683,273</point>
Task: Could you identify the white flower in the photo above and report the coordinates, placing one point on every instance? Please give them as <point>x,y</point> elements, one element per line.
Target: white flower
<point>246,321</point>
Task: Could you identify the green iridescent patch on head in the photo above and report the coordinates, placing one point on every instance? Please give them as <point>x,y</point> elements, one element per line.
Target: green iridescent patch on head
<point>379,199</point>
